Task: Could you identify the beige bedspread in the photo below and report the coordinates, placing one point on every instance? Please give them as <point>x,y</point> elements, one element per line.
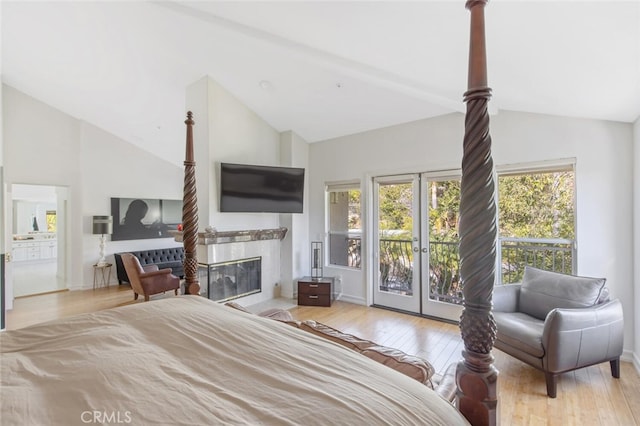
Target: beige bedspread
<point>189,361</point>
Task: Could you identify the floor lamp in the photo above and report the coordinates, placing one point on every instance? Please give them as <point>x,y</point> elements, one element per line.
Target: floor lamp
<point>102,225</point>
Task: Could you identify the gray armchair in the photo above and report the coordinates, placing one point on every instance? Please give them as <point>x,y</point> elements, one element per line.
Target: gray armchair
<point>558,323</point>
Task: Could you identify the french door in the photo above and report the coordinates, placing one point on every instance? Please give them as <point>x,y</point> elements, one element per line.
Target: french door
<point>397,242</point>
<point>416,244</point>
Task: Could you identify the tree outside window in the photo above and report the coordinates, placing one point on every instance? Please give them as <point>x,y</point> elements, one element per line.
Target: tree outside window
<point>537,222</point>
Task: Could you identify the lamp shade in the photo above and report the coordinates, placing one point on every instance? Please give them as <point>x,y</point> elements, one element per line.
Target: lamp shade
<point>102,225</point>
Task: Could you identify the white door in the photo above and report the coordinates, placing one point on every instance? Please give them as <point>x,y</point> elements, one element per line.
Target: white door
<point>7,207</point>
<point>416,244</point>
<point>440,208</point>
<point>397,242</point>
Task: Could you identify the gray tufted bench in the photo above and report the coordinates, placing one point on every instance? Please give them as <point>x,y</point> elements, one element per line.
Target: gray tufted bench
<point>171,257</point>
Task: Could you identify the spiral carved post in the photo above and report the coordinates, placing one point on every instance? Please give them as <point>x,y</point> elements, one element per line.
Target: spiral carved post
<point>476,377</point>
<point>190,215</point>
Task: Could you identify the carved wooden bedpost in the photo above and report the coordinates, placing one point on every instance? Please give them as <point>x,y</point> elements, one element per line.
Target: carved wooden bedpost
<point>476,377</point>
<point>190,215</point>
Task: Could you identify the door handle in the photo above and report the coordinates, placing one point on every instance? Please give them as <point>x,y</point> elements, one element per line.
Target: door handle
<point>425,250</point>
<point>416,249</point>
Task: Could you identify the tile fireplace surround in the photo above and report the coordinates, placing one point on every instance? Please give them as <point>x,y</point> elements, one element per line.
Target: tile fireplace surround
<point>229,246</point>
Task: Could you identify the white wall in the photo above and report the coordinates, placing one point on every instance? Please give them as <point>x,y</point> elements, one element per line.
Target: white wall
<point>294,250</point>
<point>44,146</point>
<point>112,167</point>
<point>603,180</point>
<point>228,131</point>
<point>636,239</point>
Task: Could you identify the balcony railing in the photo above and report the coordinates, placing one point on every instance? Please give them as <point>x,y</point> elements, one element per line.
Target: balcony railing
<point>396,264</point>
<point>444,272</point>
<point>345,249</point>
<point>556,255</point>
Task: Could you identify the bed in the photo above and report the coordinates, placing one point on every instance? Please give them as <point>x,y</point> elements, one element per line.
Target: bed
<point>139,363</point>
<point>188,360</point>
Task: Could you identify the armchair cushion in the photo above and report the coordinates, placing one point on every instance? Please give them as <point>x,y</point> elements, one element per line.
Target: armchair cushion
<point>542,291</point>
<point>159,281</point>
<point>521,331</point>
<point>505,297</point>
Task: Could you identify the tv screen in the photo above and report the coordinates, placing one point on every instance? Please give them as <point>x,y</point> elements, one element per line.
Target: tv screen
<point>261,189</point>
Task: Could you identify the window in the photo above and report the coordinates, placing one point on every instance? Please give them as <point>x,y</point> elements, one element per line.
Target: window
<point>52,221</point>
<point>536,221</point>
<point>345,228</point>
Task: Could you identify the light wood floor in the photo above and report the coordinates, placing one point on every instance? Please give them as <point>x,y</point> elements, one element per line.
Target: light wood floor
<point>589,396</point>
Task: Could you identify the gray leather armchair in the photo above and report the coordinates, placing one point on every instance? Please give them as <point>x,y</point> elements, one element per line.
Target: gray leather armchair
<point>558,323</point>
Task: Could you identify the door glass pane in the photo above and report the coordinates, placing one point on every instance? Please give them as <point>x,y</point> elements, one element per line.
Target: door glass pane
<point>443,199</point>
<point>395,234</point>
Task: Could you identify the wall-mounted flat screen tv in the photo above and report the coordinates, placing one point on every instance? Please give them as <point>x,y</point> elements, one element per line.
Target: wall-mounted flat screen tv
<point>246,188</point>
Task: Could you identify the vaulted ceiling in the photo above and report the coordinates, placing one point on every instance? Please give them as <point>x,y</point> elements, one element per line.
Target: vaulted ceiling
<point>321,69</point>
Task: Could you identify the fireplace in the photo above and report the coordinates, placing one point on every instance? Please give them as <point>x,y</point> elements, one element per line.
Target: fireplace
<point>230,280</point>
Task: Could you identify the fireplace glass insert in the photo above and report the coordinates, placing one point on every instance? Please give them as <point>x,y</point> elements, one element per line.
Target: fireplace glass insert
<point>230,280</point>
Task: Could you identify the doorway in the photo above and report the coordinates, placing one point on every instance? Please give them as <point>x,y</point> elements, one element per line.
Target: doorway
<point>37,223</point>
<point>416,244</point>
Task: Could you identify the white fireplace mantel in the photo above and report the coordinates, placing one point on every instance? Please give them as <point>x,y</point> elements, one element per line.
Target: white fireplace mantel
<point>211,236</point>
<point>215,247</point>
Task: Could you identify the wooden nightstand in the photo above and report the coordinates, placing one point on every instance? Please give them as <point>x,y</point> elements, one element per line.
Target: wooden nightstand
<point>315,291</point>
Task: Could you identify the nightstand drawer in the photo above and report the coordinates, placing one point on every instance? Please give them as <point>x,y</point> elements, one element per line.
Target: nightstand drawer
<point>314,288</point>
<point>315,291</point>
<point>314,299</point>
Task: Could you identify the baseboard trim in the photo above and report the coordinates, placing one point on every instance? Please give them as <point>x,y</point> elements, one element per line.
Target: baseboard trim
<point>351,299</point>
<point>636,361</point>
<point>26,296</point>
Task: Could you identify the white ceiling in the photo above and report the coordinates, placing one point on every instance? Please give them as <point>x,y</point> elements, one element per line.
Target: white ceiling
<point>334,68</point>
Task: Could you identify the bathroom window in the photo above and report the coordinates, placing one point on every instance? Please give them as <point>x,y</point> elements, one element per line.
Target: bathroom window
<point>52,221</point>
